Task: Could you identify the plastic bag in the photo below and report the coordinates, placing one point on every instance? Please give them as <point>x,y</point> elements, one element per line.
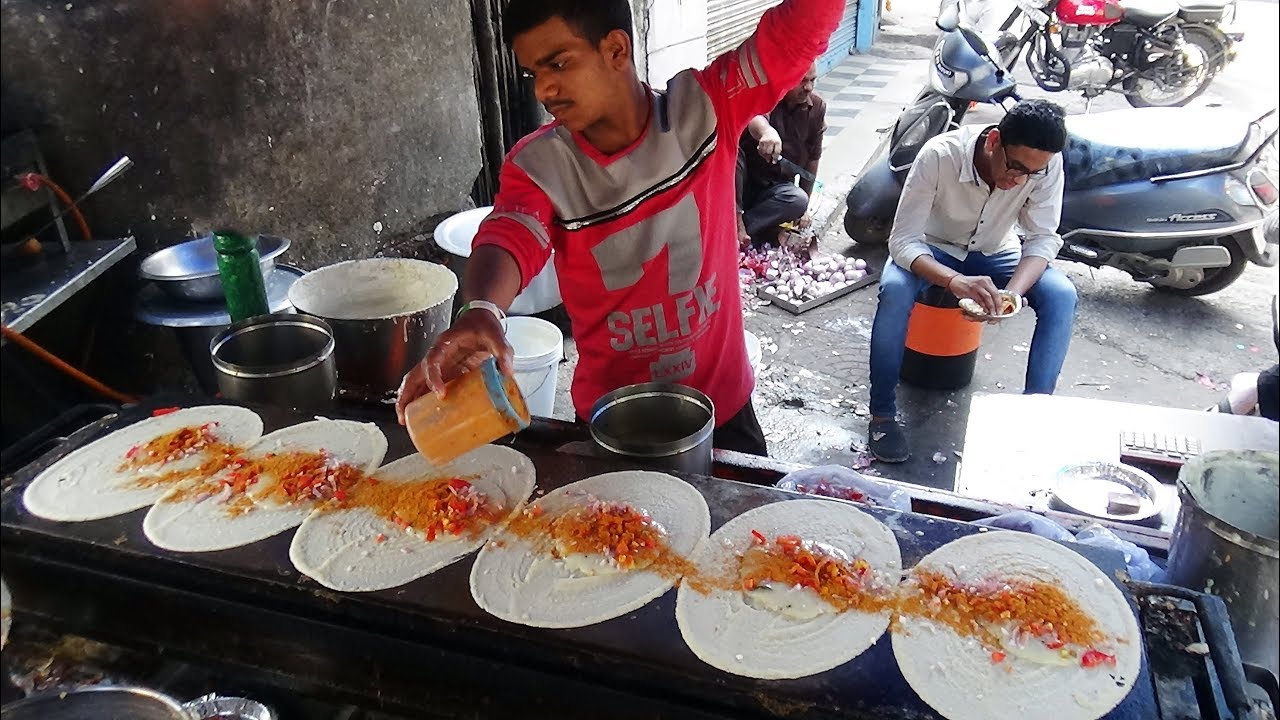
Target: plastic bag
<point>1136,560</point>
<point>1024,521</point>
<point>841,482</point>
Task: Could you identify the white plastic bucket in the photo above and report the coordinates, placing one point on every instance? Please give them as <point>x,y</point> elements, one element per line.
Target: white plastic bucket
<point>755,353</point>
<point>538,347</point>
<point>454,236</point>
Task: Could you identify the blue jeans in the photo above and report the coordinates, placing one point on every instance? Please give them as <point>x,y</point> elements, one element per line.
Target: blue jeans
<point>1053,298</point>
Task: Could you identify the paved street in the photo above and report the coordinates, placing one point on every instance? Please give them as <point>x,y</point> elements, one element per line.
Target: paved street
<point>1132,343</point>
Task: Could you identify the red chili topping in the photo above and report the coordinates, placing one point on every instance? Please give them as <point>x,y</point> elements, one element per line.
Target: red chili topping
<point>1094,658</point>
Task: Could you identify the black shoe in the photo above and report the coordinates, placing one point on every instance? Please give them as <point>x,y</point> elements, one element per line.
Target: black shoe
<point>887,441</point>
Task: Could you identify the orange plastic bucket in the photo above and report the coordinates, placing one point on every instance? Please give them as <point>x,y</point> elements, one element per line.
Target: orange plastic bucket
<point>942,346</point>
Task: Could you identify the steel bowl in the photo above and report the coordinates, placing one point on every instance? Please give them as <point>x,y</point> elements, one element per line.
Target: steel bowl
<point>95,703</point>
<point>1084,489</point>
<point>663,424</point>
<point>189,270</point>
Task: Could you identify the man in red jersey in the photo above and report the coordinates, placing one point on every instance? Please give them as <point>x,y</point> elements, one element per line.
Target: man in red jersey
<point>634,190</point>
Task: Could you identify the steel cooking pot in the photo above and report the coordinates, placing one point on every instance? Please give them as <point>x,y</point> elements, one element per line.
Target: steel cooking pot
<point>279,359</point>
<point>1227,543</point>
<point>385,314</point>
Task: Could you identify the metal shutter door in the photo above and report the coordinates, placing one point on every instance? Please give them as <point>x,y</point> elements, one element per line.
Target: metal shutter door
<point>842,39</point>
<point>729,22</point>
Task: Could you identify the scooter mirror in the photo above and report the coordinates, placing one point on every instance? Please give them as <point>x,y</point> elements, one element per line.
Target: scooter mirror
<point>949,18</point>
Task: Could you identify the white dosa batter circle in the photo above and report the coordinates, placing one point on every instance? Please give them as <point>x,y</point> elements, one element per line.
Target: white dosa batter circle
<point>204,525</point>
<point>955,675</point>
<point>727,633</point>
<point>88,484</point>
<point>513,582</point>
<point>340,549</point>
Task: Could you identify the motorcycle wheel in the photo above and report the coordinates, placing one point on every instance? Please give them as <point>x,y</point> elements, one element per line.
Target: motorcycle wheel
<point>1215,279</point>
<point>867,231</point>
<point>1147,92</point>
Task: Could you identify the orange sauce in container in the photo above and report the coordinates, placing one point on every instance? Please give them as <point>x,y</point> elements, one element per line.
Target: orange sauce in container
<point>479,407</point>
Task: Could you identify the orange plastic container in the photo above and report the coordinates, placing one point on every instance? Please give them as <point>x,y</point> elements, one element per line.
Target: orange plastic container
<point>479,407</point>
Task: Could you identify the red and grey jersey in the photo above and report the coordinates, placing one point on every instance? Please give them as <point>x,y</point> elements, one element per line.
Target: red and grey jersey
<point>645,240</point>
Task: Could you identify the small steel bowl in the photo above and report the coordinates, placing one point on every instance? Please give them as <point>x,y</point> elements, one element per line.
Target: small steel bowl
<point>664,424</point>
<point>974,310</point>
<point>189,270</point>
<point>1084,488</point>
<point>227,708</point>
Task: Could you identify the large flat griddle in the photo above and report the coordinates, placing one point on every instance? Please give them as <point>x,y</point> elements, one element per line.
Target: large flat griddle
<point>426,648</point>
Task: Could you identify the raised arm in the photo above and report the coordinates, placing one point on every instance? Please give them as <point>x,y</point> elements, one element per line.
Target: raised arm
<point>510,249</point>
<point>750,80</point>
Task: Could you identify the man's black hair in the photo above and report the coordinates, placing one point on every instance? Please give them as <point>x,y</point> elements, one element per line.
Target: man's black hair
<point>592,19</point>
<point>1037,124</point>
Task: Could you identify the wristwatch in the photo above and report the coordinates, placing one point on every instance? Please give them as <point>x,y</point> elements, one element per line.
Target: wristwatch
<point>482,305</point>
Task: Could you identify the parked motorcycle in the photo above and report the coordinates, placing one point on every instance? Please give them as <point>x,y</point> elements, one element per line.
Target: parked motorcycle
<point>1158,53</point>
<point>1176,197</point>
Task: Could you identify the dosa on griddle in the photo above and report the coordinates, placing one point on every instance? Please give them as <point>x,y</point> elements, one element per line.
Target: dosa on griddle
<point>957,675</point>
<point>517,582</point>
<point>90,484</point>
<point>190,520</point>
<point>357,550</point>
<point>727,632</point>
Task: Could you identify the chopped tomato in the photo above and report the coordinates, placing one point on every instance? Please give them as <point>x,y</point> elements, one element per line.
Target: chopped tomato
<point>1055,644</point>
<point>458,484</point>
<point>158,412</point>
<point>1094,658</point>
<point>998,657</point>
<point>759,537</point>
<point>381,538</point>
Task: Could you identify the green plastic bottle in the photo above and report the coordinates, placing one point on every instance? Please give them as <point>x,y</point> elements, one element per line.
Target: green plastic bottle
<point>241,271</point>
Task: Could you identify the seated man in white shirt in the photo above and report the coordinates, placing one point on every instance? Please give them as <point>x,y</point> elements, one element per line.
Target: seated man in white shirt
<point>955,228</point>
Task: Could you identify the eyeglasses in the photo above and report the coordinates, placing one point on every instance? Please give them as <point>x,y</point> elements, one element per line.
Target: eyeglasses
<point>1017,168</point>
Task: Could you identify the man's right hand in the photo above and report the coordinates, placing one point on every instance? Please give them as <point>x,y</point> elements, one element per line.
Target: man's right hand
<point>476,336</point>
<point>770,145</point>
<point>978,288</point>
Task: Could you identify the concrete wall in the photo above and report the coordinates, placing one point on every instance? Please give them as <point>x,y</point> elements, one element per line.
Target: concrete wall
<point>677,38</point>
<point>344,126</point>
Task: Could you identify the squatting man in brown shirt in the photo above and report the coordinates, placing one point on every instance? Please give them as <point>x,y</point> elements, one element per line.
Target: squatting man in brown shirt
<point>767,194</point>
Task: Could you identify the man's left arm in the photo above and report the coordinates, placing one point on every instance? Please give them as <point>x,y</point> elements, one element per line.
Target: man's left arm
<point>1039,218</point>
<point>750,80</point>
<point>817,128</point>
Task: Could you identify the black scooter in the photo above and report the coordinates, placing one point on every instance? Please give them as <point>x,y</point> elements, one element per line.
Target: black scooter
<point>1176,197</point>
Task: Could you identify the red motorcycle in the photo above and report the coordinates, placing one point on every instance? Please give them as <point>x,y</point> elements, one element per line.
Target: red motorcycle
<point>1156,52</point>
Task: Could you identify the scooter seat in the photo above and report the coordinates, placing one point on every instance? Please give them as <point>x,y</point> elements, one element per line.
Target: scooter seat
<point>1149,13</point>
<point>1120,146</point>
<point>1204,4</point>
